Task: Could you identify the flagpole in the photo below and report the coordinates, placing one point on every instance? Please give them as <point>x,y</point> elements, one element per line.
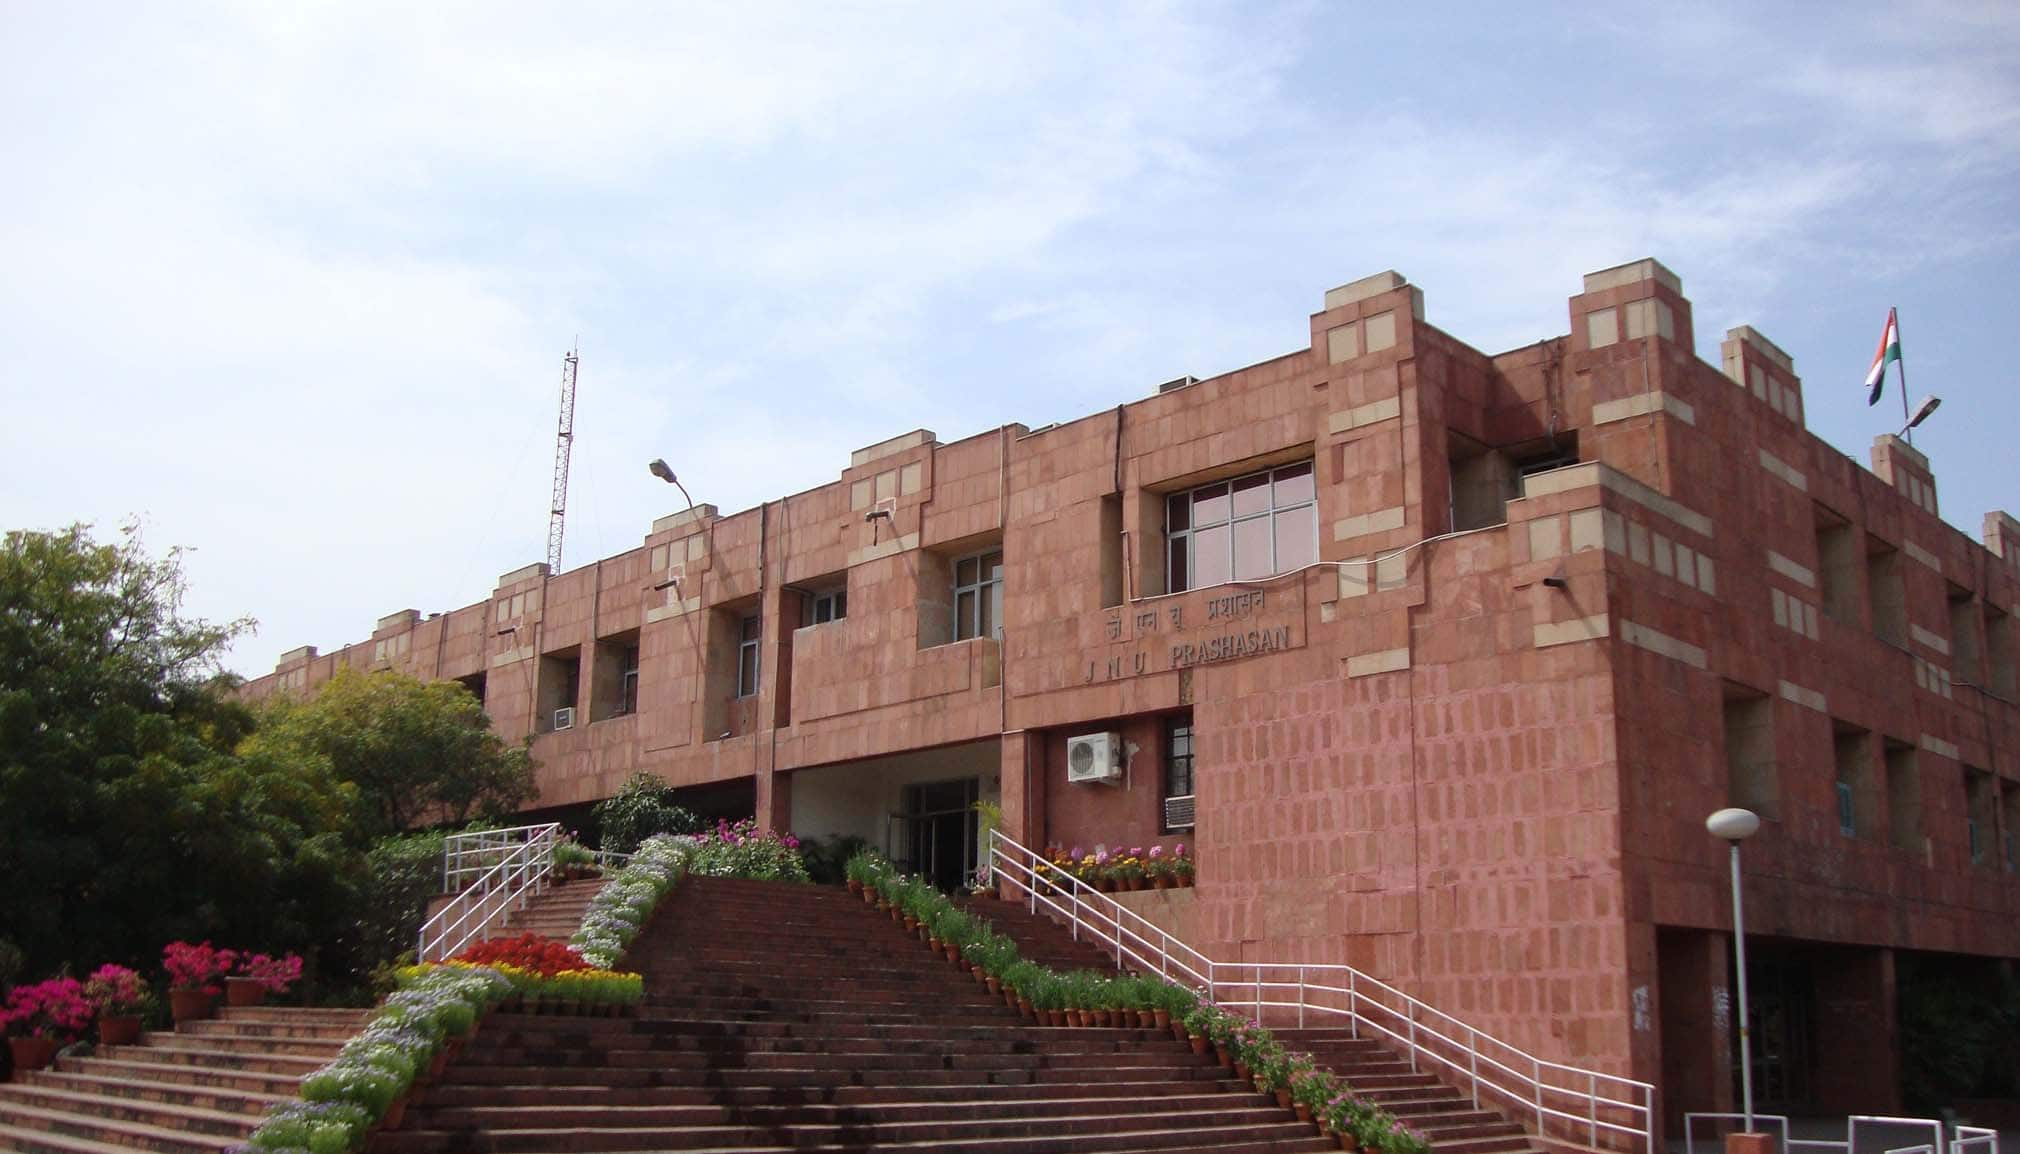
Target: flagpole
<point>1901,364</point>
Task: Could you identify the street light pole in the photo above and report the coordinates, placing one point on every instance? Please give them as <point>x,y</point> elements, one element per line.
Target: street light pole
<point>1735,826</point>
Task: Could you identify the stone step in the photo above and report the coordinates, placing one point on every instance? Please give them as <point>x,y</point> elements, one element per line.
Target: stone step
<point>207,1059</point>
<point>321,1049</point>
<point>333,1032</point>
<point>210,1097</point>
<point>111,1132</point>
<point>992,1095</point>
<point>166,1115</point>
<point>223,1080</point>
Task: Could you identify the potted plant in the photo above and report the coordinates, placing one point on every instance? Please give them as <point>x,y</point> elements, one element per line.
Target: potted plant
<point>1181,866</point>
<point>40,1019</point>
<point>119,997</point>
<point>193,975</point>
<point>572,860</point>
<point>260,975</point>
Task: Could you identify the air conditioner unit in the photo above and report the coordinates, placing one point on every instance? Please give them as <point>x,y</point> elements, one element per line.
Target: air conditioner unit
<point>564,718</point>
<point>1094,757</point>
<point>1178,812</point>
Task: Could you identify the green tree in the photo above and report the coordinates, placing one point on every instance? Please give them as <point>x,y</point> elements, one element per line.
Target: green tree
<point>126,817</point>
<point>642,807</point>
<point>415,751</point>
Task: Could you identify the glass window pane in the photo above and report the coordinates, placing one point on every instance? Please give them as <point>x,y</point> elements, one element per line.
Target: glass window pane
<point>1252,556</point>
<point>1176,575</point>
<point>1294,484</point>
<point>1176,510</point>
<point>964,616</point>
<point>1210,557</point>
<point>810,611</point>
<point>1209,505</point>
<point>1252,495</point>
<point>746,673</point>
<point>1297,538</point>
<point>965,572</point>
<point>841,605</point>
<point>750,629</point>
<point>992,611</point>
<point>992,567</point>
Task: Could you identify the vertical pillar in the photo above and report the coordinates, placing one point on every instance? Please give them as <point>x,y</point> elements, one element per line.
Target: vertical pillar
<point>1697,1021</point>
<point>1857,1046</point>
<point>1023,781</point>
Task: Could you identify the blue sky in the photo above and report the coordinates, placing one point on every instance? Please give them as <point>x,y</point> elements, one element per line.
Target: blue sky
<point>291,282</point>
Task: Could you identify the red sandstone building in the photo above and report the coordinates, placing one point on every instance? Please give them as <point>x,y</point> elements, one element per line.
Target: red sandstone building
<point>1439,658</point>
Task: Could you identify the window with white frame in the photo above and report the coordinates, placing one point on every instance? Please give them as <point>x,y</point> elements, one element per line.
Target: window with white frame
<point>978,596</point>
<point>821,608</point>
<point>1241,530</point>
<point>747,657</point>
<point>627,696</point>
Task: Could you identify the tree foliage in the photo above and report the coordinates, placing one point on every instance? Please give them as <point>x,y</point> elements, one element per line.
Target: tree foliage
<point>126,816</point>
<point>643,807</point>
<point>415,750</point>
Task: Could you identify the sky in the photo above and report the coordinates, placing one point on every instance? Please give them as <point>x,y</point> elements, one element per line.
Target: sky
<point>290,284</point>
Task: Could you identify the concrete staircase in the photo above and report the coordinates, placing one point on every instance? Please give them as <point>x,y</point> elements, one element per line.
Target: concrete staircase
<point>791,1018</point>
<point>1374,1071</point>
<point>197,1090</point>
<point>555,912</point>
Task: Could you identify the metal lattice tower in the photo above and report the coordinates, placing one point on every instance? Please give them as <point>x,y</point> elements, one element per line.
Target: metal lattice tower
<point>564,441</point>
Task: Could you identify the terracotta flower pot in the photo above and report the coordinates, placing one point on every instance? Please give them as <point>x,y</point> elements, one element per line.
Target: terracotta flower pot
<point>243,992</point>
<point>1304,1111</point>
<point>1241,1069</point>
<point>1199,1045</point>
<point>118,1029</point>
<point>994,983</point>
<point>1178,1031</point>
<point>1163,883</point>
<point>31,1053</point>
<point>1226,1059</point>
<point>1347,1143</point>
<point>395,1114</point>
<point>855,887</point>
<point>911,923</point>
<point>1160,1019</point>
<point>1147,1020</point>
<point>191,1005</point>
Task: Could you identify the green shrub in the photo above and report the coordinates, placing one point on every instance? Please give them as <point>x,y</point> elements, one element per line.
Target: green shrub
<point>643,806</point>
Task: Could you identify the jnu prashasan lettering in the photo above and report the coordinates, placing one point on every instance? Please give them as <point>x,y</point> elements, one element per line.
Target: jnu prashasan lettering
<point>1228,646</point>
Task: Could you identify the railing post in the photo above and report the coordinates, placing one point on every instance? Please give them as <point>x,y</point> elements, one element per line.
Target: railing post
<point>1413,1040</point>
<point>1592,1099</point>
<point>1473,1055</point>
<point>1536,1080</point>
<point>1301,996</point>
<point>1353,1005</point>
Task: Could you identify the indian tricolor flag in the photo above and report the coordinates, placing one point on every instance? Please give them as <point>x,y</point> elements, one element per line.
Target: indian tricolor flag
<point>1889,353</point>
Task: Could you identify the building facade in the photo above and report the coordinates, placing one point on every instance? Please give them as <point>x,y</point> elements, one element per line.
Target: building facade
<point>1438,658</point>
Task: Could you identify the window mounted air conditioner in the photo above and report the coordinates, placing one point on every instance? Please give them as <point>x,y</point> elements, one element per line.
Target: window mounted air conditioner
<point>564,718</point>
<point>1178,812</point>
<point>1094,757</point>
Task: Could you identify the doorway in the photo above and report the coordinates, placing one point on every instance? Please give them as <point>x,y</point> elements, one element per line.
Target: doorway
<point>1781,992</point>
<point>940,820</point>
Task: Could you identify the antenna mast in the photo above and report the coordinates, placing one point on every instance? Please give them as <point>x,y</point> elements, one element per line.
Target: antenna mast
<point>564,440</point>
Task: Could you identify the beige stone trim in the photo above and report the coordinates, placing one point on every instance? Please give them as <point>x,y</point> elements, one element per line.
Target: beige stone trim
<point>1794,571</point>
<point>1766,347</point>
<point>524,573</point>
<point>1597,473</point>
<point>1602,328</point>
<point>672,609</point>
<point>1939,747</point>
<point>895,445</point>
<point>1807,698</point>
<point>1634,272</point>
<point>1387,661</point>
<point>524,652</point>
<point>1782,469</point>
<point>1343,343</point>
<point>1379,521</point>
<point>1356,580</point>
<point>1362,289</point>
<point>672,521</point>
<point>1934,641</point>
<point>886,548</point>
<point>1607,412</point>
<point>1928,559</point>
<point>911,477</point>
<point>1577,629</point>
<point>301,654</point>
<point>1661,644</point>
<point>1349,419</point>
<point>1378,332</point>
<point>1588,530</point>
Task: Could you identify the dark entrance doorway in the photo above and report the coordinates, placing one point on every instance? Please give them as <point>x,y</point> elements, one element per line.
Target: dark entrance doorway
<point>1781,997</point>
<point>940,816</point>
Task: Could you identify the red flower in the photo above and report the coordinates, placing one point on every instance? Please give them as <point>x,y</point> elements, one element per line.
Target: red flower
<point>544,956</point>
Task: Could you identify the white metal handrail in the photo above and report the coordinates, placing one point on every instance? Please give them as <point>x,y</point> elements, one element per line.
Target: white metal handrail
<point>1976,1139</point>
<point>1588,1104</point>
<point>519,869</point>
<point>467,856</point>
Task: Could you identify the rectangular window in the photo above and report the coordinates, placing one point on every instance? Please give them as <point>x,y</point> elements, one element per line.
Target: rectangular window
<point>2009,812</point>
<point>978,596</point>
<point>1904,797</point>
<point>627,701</point>
<point>821,608</point>
<point>1750,751</point>
<point>747,656</point>
<point>1999,658</point>
<point>1837,567</point>
<point>1242,530</point>
<point>1981,814</point>
<point>1178,786</point>
<point>1888,600</point>
<point>1966,654</point>
<point>1858,801</point>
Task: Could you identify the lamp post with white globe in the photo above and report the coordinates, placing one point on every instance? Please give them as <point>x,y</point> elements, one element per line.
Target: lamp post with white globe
<point>1735,826</point>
